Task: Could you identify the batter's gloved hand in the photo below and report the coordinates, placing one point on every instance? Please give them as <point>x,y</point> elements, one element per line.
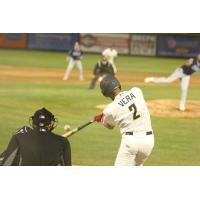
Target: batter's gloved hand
<point>98,118</point>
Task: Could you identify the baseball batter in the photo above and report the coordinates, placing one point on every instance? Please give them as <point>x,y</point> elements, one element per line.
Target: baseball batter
<point>129,112</point>
<point>74,58</point>
<point>183,73</point>
<point>111,54</point>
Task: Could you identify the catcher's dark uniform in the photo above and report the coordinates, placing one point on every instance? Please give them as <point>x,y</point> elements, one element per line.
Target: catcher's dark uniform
<point>101,69</point>
<point>37,147</point>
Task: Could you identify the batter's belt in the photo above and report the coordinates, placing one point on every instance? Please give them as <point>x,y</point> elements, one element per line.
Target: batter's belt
<point>132,133</point>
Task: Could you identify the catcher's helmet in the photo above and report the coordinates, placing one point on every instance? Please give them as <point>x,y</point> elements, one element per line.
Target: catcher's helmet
<point>43,118</point>
<point>108,84</point>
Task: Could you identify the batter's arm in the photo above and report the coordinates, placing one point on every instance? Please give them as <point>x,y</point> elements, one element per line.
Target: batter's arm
<point>101,118</point>
<point>108,126</point>
<point>108,120</point>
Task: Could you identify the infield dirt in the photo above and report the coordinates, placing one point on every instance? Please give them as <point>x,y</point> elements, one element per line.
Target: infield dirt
<point>31,74</point>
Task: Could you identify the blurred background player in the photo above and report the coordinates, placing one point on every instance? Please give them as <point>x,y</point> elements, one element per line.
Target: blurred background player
<point>101,69</point>
<point>111,54</point>
<point>38,146</point>
<point>75,56</point>
<point>183,73</point>
<point>130,113</point>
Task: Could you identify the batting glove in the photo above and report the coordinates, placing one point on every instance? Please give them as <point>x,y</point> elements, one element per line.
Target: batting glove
<point>98,118</point>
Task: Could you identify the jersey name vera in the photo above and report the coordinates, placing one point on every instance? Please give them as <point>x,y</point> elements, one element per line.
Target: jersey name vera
<point>126,99</point>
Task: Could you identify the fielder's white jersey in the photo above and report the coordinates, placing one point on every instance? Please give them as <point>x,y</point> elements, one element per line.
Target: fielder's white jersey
<point>129,112</point>
<point>110,54</point>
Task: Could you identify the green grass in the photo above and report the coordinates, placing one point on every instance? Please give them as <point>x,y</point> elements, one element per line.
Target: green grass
<point>176,139</point>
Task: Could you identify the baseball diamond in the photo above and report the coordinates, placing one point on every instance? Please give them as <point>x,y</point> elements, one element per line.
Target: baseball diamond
<point>28,81</point>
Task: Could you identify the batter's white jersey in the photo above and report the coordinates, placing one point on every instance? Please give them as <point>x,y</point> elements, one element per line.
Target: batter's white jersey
<point>129,112</point>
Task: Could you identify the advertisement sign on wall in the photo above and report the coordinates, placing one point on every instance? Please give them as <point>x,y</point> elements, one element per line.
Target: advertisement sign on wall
<point>97,42</point>
<point>142,44</point>
<point>13,40</point>
<point>52,41</point>
<point>185,46</point>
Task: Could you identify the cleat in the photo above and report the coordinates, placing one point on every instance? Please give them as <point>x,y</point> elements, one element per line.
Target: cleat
<point>148,79</point>
<point>182,108</point>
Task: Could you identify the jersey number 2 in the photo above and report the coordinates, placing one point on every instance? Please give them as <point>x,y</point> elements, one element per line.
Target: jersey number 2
<point>131,108</point>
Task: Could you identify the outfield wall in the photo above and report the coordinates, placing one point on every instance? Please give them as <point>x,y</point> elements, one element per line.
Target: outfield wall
<point>39,41</point>
<point>13,40</point>
<point>52,41</point>
<point>174,45</point>
<point>97,42</point>
<point>178,46</point>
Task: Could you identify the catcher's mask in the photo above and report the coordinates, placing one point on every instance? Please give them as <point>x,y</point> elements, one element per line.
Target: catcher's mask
<point>108,84</point>
<point>43,119</point>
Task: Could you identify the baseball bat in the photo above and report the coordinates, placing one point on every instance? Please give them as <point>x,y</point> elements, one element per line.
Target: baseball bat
<point>70,133</point>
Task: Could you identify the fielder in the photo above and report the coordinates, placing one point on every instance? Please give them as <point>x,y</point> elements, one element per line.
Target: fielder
<point>101,69</point>
<point>111,54</point>
<point>38,146</point>
<point>74,58</point>
<point>129,112</point>
<point>183,73</point>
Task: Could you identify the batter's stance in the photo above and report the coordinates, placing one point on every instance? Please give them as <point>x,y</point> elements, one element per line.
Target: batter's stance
<point>130,113</point>
<point>183,73</point>
<point>75,57</point>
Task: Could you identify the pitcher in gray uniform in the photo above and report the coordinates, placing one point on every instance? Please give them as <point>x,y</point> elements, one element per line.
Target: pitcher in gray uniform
<point>183,73</point>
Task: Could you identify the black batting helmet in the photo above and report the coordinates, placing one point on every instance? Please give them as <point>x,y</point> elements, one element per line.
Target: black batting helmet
<point>43,118</point>
<point>108,84</point>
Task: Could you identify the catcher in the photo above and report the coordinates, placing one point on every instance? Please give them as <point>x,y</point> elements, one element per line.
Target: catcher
<point>38,146</point>
<point>101,69</point>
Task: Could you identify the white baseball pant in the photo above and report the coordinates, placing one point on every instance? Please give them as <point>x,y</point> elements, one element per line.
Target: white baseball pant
<point>134,149</point>
<point>177,74</point>
<point>70,66</point>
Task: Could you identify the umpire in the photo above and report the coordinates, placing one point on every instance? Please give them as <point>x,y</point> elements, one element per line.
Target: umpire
<point>38,146</point>
<point>101,69</point>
